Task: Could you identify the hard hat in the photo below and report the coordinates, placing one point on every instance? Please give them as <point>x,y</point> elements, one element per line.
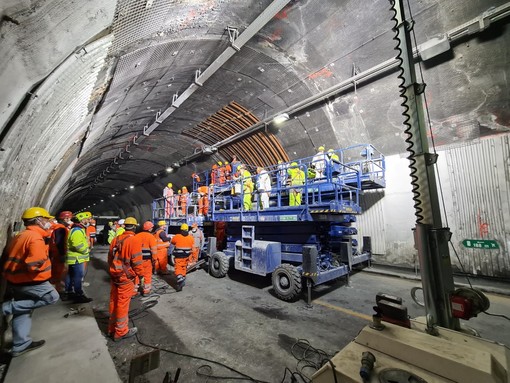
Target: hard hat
<point>280,161</point>
<point>220,163</point>
<point>110,223</point>
<point>294,164</point>
<point>169,184</point>
<point>184,227</point>
<point>130,221</point>
<point>34,212</point>
<point>161,223</point>
<point>179,191</point>
<point>330,150</point>
<point>65,214</point>
<point>148,225</point>
<point>121,221</point>
<point>321,148</point>
<point>194,224</point>
<point>83,215</point>
<point>226,162</point>
<point>184,189</point>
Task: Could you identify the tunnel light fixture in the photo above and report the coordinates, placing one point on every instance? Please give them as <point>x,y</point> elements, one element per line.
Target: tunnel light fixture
<point>281,118</point>
<point>113,195</point>
<point>131,186</point>
<point>169,169</point>
<point>210,149</point>
<point>176,165</point>
<point>102,200</point>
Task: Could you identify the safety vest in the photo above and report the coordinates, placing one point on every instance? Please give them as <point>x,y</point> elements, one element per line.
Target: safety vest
<point>247,182</point>
<point>77,246</point>
<point>160,244</point>
<point>27,258</point>
<point>120,231</point>
<point>297,176</point>
<point>147,243</point>
<point>183,245</point>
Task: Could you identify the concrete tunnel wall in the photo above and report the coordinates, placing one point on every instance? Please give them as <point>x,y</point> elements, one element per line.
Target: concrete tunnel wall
<point>61,60</point>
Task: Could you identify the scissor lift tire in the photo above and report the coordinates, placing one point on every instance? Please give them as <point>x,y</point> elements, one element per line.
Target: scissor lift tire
<point>219,264</point>
<point>287,282</point>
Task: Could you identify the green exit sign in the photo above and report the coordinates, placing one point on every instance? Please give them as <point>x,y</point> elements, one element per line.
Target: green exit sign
<point>486,244</point>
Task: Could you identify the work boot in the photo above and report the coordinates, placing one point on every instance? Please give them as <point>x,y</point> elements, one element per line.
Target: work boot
<point>82,299</point>
<point>180,283</point>
<point>67,296</point>
<point>131,332</point>
<point>32,346</point>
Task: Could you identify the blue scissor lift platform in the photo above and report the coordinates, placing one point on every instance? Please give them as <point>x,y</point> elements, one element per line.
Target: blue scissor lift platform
<point>315,240</point>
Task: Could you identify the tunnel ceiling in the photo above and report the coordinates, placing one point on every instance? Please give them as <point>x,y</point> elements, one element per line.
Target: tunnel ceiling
<point>149,54</point>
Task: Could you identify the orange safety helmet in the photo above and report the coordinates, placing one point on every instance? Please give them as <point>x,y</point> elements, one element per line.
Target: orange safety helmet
<point>148,225</point>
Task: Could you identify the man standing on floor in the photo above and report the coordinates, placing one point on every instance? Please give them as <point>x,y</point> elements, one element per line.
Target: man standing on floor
<point>183,243</point>
<point>125,264</point>
<point>148,245</point>
<point>198,238</point>
<point>77,254</point>
<point>58,249</point>
<point>162,243</point>
<point>28,272</point>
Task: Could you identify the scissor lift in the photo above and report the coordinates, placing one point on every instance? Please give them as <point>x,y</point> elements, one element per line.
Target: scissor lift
<point>315,241</point>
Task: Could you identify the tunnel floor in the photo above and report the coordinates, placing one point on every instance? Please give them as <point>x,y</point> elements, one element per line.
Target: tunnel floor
<point>235,329</point>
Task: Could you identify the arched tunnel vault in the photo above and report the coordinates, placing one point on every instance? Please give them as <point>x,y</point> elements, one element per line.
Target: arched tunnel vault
<point>82,80</point>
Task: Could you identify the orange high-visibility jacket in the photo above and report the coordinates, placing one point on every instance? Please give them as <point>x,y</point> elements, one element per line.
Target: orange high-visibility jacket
<point>28,258</point>
<point>91,231</point>
<point>125,260</point>
<point>183,245</point>
<point>160,243</point>
<point>147,243</point>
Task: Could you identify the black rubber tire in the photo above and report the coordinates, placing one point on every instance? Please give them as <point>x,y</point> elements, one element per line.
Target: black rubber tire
<point>219,264</point>
<point>287,282</point>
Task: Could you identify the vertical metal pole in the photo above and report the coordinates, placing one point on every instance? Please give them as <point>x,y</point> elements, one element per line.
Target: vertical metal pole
<point>431,240</point>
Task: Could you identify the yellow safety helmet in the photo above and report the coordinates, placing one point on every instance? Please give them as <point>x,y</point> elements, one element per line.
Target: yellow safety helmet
<point>226,162</point>
<point>130,221</point>
<point>184,227</point>
<point>294,164</point>
<point>34,212</point>
<point>330,150</point>
<point>169,184</point>
<point>220,163</point>
<point>321,148</point>
<point>83,215</point>
<point>184,189</point>
<point>161,223</point>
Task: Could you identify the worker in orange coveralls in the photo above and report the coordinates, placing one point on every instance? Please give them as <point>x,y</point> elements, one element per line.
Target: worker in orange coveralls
<point>162,243</point>
<point>125,264</point>
<point>183,243</point>
<point>221,173</point>
<point>149,248</point>
<point>58,249</point>
<point>214,174</point>
<point>183,200</point>
<point>203,200</point>
<point>91,233</point>
<point>228,171</point>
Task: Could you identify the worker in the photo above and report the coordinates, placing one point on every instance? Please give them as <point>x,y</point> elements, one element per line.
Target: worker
<point>120,227</point>
<point>247,186</point>
<point>297,180</point>
<point>125,264</point>
<point>149,248</point>
<point>263,187</point>
<point>234,165</point>
<point>183,200</point>
<point>77,254</point>
<point>58,249</point>
<point>183,243</point>
<point>91,233</point>
<point>198,237</point>
<point>228,171</point>
<point>203,200</point>
<point>319,163</point>
<point>162,244</point>
<point>282,174</point>
<point>221,173</point>
<point>214,174</point>
<point>168,195</point>
<point>112,231</point>
<point>27,270</point>
<point>333,156</point>
<point>334,162</point>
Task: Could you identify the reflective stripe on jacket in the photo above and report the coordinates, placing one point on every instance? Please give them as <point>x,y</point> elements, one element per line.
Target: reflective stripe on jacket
<point>28,258</point>
<point>77,246</point>
<point>125,258</point>
<point>147,243</point>
<point>183,245</point>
